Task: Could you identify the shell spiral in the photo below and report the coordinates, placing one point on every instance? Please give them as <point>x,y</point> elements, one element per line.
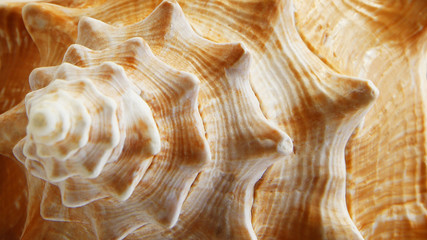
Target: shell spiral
<point>78,123</point>
<point>213,119</point>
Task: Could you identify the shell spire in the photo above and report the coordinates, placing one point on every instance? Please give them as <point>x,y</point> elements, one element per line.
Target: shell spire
<point>74,131</point>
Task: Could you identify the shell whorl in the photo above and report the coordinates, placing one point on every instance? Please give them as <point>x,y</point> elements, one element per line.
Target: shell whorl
<point>78,123</point>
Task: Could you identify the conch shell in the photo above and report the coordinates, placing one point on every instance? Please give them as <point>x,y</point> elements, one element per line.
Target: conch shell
<point>209,120</point>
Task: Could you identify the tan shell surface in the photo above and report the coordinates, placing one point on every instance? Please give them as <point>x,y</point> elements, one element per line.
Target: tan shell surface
<point>262,136</point>
<point>15,44</point>
<point>386,158</point>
